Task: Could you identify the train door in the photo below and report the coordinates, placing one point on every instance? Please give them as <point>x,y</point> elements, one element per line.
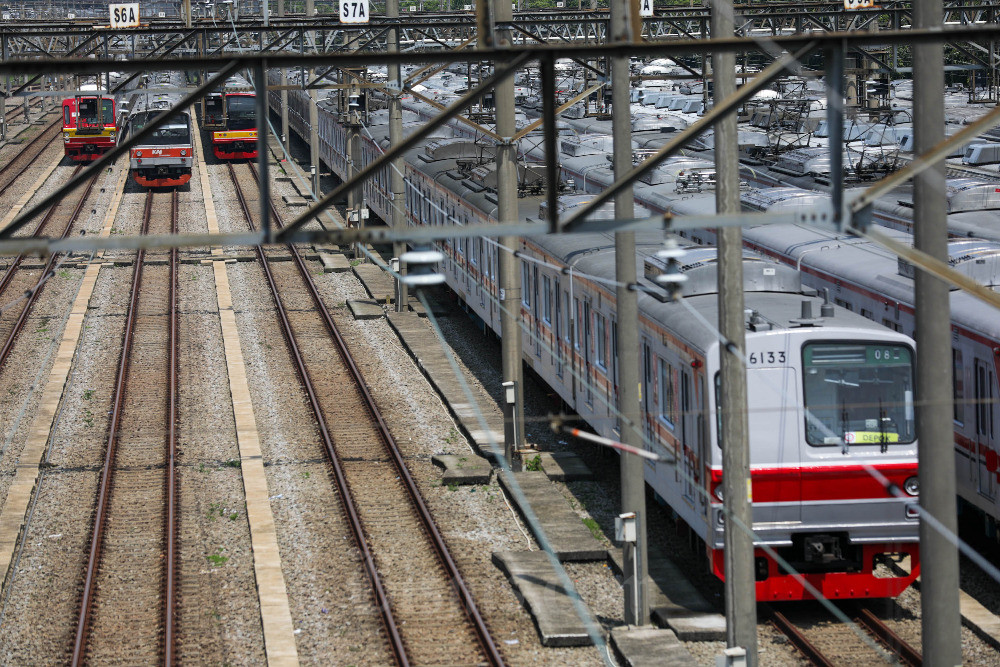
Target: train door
<point>986,442</point>
<point>613,360</point>
<point>775,443</point>
<point>693,455</point>
<point>536,312</point>
<point>588,378</point>
<point>557,328</point>
<point>482,284</point>
<point>647,390</point>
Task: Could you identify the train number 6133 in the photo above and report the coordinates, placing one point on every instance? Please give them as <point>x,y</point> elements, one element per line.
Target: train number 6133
<point>769,358</point>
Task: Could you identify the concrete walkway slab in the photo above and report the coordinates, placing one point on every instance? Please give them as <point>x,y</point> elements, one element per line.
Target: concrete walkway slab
<point>674,601</point>
<point>533,577</point>
<point>564,466</point>
<point>379,284</point>
<point>468,469</point>
<point>569,536</point>
<point>334,262</point>
<point>365,309</point>
<point>425,348</point>
<point>648,647</point>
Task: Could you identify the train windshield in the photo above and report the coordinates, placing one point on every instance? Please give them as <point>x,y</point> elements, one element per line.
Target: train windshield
<point>88,111</point>
<point>858,393</point>
<point>174,131</point>
<point>241,111</point>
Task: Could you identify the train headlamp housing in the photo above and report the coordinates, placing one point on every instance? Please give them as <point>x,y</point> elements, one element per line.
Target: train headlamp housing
<point>717,492</point>
<point>912,486</point>
<point>138,153</point>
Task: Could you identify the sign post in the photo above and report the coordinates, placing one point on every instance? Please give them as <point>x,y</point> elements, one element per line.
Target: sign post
<point>125,15</point>
<point>354,11</point>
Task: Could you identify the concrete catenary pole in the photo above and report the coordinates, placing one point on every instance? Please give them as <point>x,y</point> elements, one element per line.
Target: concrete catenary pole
<point>741,607</point>
<point>396,184</point>
<point>313,110</point>
<point>510,279</point>
<point>632,467</point>
<point>940,619</point>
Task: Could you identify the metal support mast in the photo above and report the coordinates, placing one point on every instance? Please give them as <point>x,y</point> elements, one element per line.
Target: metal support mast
<point>396,184</point>
<point>313,110</point>
<point>510,280</point>
<point>632,467</point>
<point>940,618</point>
<point>741,606</point>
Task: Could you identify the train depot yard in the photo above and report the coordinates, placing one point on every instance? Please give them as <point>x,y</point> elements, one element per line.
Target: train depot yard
<point>485,335</point>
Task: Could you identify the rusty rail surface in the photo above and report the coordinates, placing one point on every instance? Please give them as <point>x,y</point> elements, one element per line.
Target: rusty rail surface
<point>906,653</point>
<point>107,472</point>
<point>32,296</point>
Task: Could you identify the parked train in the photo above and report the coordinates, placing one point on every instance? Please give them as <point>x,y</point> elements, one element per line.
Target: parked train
<point>91,126</point>
<point>815,501</point>
<point>231,116</point>
<point>165,158</point>
<point>864,278</point>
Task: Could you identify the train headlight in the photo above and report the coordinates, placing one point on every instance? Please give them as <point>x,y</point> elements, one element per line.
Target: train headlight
<point>912,486</point>
<point>183,152</point>
<point>138,153</point>
<point>718,493</point>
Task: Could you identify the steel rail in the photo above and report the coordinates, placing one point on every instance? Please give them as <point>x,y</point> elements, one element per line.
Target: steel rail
<point>37,289</point>
<point>468,603</point>
<point>23,153</point>
<point>107,471</point>
<point>170,592</point>
<point>354,519</point>
<point>9,273</point>
<point>903,650</point>
<point>798,639</point>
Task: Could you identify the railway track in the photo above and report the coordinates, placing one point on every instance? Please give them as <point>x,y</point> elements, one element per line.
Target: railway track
<point>829,643</point>
<point>17,280</point>
<point>27,154</point>
<point>427,611</point>
<point>126,613</point>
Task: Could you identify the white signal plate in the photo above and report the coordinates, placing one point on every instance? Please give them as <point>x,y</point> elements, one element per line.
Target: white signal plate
<point>354,11</point>
<point>646,7</point>
<point>125,15</point>
<point>859,4</point>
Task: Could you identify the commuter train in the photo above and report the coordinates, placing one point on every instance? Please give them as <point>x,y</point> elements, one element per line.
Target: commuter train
<point>862,277</point>
<point>231,116</point>
<point>165,158</point>
<point>90,126</point>
<point>816,502</point>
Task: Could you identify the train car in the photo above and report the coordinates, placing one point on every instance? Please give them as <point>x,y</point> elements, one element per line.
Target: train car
<point>815,501</point>
<point>231,116</point>
<point>165,158</point>
<point>91,126</point>
<point>863,277</point>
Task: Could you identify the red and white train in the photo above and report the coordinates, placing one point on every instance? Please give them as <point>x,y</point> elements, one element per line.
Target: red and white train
<point>816,501</point>
<point>91,126</point>
<point>166,157</point>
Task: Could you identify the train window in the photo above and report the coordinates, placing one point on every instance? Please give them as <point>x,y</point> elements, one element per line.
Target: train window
<point>67,115</point>
<point>601,346</point>
<point>547,300</point>
<point>843,304</point>
<point>984,400</point>
<point>668,406</point>
<point>241,112</point>
<point>958,385</point>
<point>525,284</point>
<point>858,393</point>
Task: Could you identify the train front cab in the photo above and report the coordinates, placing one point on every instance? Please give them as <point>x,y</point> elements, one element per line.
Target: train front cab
<point>165,158</point>
<point>829,520</point>
<point>90,127</point>
<point>232,118</point>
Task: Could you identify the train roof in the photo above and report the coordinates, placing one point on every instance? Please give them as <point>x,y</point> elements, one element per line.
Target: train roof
<point>772,291</point>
